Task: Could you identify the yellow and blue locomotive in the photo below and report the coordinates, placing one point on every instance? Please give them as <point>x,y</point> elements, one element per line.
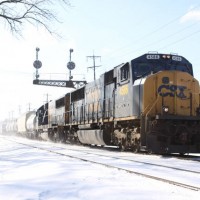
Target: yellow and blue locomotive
<point>150,103</point>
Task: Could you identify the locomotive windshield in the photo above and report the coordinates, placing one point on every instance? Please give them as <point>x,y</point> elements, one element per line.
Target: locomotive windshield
<point>151,64</point>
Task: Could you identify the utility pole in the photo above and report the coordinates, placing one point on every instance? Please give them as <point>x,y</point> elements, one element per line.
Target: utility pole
<point>94,65</point>
<point>47,97</point>
<point>19,110</point>
<point>11,114</point>
<point>29,106</point>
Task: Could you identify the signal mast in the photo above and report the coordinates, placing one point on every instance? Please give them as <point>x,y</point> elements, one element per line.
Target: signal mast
<point>58,83</point>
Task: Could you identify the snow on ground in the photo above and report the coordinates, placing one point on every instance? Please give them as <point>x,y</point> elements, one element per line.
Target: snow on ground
<point>33,174</point>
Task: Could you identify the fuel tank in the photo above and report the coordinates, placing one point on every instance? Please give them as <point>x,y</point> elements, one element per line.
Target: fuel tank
<point>95,136</point>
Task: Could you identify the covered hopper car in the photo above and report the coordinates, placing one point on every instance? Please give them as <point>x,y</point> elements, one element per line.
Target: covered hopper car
<point>25,125</point>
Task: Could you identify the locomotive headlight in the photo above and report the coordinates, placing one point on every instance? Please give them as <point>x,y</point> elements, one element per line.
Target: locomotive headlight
<point>165,109</point>
<point>166,56</point>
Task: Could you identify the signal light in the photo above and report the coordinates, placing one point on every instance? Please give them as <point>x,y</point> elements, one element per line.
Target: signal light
<point>165,109</point>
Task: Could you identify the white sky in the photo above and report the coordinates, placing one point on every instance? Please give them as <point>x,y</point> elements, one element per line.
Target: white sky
<point>116,30</point>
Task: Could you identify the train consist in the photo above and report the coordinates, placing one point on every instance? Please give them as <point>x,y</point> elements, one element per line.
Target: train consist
<point>151,103</point>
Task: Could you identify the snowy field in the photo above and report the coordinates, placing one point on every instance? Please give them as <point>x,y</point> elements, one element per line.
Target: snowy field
<point>32,174</point>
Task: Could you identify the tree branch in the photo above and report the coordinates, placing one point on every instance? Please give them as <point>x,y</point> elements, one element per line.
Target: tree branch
<point>16,12</point>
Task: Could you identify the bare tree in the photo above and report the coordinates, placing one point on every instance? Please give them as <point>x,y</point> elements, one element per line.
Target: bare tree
<point>37,12</point>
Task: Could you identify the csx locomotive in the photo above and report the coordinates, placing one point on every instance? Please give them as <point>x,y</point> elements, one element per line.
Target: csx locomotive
<point>151,103</point>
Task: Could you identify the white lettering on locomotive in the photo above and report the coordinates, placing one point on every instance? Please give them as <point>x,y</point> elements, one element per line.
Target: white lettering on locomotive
<point>153,56</point>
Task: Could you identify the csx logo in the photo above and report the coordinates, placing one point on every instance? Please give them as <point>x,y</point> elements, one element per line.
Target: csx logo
<point>172,91</point>
<point>123,90</point>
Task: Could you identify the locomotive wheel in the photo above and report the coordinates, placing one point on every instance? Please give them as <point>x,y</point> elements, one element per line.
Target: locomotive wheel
<point>50,135</point>
<point>149,151</point>
<point>122,147</point>
<point>135,148</point>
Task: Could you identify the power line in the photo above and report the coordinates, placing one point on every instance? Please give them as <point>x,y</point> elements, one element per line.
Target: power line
<point>154,31</point>
<point>181,39</point>
<point>167,37</point>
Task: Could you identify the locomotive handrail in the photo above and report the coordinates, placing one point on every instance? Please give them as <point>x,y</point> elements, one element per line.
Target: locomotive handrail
<point>150,107</point>
<point>146,116</point>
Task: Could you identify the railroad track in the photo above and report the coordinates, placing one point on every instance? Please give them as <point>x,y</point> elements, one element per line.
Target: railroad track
<point>178,156</point>
<point>136,161</point>
<point>86,157</point>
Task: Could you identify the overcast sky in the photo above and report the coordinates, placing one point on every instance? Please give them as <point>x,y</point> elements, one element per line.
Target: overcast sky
<point>116,30</point>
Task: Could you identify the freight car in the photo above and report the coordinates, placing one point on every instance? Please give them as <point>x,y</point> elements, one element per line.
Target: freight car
<point>3,127</point>
<point>8,126</point>
<point>25,125</point>
<point>150,103</point>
